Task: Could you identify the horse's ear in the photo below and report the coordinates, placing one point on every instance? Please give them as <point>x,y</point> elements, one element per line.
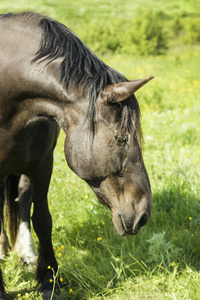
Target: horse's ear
<point>121,91</point>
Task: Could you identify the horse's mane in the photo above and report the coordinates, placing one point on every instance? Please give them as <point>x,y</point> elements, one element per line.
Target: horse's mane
<point>81,66</point>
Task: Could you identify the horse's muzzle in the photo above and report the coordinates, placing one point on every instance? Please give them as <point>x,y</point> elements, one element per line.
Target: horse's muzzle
<point>129,224</point>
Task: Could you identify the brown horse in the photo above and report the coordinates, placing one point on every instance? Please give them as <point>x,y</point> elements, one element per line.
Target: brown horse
<point>50,79</point>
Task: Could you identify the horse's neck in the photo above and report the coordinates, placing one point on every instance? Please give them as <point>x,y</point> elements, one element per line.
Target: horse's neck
<point>31,90</point>
<point>35,92</point>
<point>50,99</point>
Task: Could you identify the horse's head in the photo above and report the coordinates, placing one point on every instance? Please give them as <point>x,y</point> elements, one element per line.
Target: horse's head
<point>110,161</point>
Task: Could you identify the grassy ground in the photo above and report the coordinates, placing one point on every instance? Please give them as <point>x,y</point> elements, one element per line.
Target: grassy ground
<point>163,260</point>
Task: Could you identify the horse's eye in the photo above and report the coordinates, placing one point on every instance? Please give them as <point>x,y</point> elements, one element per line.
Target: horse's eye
<point>122,140</point>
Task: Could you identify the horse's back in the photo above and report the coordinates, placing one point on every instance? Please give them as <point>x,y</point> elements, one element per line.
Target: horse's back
<point>18,44</point>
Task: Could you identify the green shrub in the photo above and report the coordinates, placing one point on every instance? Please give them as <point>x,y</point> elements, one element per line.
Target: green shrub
<point>186,29</point>
<point>102,36</point>
<point>191,31</point>
<point>146,35</point>
<point>143,35</point>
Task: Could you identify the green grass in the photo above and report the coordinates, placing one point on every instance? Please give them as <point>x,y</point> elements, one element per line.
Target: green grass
<point>163,260</point>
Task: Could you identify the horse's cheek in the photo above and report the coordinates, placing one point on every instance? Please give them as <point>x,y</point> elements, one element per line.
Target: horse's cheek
<point>91,160</point>
<point>70,155</point>
<point>77,158</point>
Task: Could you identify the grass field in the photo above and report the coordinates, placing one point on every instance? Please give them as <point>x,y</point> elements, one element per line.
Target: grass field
<point>163,260</point>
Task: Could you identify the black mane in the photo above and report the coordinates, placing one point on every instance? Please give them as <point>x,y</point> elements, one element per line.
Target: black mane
<point>81,66</point>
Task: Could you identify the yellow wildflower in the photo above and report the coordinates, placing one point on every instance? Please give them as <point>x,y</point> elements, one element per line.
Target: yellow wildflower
<point>99,239</point>
<point>70,291</point>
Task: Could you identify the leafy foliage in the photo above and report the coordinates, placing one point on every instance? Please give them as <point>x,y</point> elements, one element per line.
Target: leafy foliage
<point>148,32</point>
<point>143,35</point>
<point>162,251</point>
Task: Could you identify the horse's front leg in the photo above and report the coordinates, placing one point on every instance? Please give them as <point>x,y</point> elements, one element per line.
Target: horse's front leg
<point>42,224</point>
<point>24,242</point>
<point>4,243</point>
<point>2,292</point>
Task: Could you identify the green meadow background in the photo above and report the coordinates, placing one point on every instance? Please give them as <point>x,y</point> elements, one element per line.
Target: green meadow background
<point>139,38</point>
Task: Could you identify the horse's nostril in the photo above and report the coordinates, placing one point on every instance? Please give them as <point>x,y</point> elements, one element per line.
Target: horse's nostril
<point>143,220</point>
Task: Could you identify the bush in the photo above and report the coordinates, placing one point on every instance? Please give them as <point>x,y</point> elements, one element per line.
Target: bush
<point>191,31</point>
<point>102,37</point>
<point>143,35</point>
<point>146,35</point>
<point>186,29</point>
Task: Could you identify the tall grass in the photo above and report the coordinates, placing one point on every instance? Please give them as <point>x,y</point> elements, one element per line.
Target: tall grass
<point>163,260</point>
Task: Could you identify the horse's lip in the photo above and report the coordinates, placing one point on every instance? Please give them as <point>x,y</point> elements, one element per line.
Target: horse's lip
<point>132,232</point>
<point>122,224</point>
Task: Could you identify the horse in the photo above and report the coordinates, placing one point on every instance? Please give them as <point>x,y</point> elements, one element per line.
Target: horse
<point>15,194</point>
<point>49,79</point>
